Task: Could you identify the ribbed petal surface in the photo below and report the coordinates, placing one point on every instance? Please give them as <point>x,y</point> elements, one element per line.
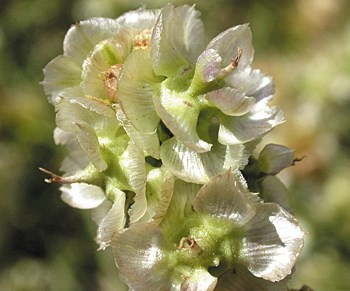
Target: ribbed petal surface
<point>135,91</point>
<point>224,197</point>
<point>240,279</point>
<point>112,222</point>
<point>83,36</point>
<point>253,125</point>
<point>273,241</point>
<point>173,46</point>
<point>230,101</point>
<point>133,164</point>
<point>194,167</point>
<point>228,43</point>
<point>179,112</point>
<point>146,142</point>
<point>62,77</point>
<point>139,255</point>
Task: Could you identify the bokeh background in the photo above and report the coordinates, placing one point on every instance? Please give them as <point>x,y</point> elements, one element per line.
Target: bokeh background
<point>303,44</point>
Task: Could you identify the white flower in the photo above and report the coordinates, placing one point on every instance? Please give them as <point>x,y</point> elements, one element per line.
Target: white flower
<point>93,53</point>
<point>209,101</point>
<point>223,232</point>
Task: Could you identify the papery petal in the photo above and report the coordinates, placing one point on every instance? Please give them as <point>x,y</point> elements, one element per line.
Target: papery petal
<point>208,66</point>
<point>200,280</point>
<point>253,83</point>
<point>146,142</point>
<point>194,167</point>
<point>82,117</point>
<point>76,159</point>
<point>173,47</point>
<point>88,141</point>
<point>230,101</point>
<point>97,66</point>
<point>228,43</point>
<point>94,105</point>
<point>240,279</point>
<point>99,213</point>
<point>274,158</point>
<point>82,195</point>
<point>179,209</point>
<point>272,243</point>
<point>253,125</point>
<point>153,192</point>
<point>166,195</point>
<point>138,20</point>
<point>83,36</point>
<point>273,190</point>
<point>62,76</point>
<point>224,197</point>
<point>133,164</point>
<point>179,112</point>
<point>98,115</point>
<point>135,91</point>
<point>139,255</point>
<point>112,222</point>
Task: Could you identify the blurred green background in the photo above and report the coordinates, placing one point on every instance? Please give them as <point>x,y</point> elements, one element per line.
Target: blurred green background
<point>303,44</point>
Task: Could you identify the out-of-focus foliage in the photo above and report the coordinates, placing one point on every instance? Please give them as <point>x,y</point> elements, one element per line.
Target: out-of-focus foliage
<point>304,45</point>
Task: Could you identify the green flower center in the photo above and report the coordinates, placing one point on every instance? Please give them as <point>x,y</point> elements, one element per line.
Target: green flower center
<point>205,242</point>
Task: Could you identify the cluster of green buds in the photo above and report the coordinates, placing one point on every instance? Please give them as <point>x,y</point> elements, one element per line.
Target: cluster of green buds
<point>160,130</point>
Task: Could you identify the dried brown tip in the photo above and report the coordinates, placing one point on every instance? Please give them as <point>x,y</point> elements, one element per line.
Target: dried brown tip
<point>56,178</point>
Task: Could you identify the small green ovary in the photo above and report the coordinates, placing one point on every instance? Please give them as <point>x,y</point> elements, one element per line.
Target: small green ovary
<point>205,242</point>
<point>208,125</point>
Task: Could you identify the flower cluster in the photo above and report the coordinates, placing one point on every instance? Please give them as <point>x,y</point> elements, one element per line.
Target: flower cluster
<point>160,130</point>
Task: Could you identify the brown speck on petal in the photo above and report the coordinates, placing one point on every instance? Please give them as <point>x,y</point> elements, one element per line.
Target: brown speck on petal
<point>110,81</point>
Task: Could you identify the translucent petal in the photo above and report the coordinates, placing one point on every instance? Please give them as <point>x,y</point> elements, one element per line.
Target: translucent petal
<point>94,105</point>
<point>179,210</point>
<point>135,91</point>
<point>274,158</point>
<point>92,122</point>
<point>112,222</point>
<point>88,141</point>
<point>237,157</point>
<point>83,196</point>
<point>208,66</point>
<point>273,241</point>
<point>179,112</point>
<point>194,167</point>
<point>200,280</point>
<point>240,279</point>
<point>76,160</point>
<point>167,191</point>
<point>173,47</point>
<point>97,66</point>
<point>138,20</point>
<point>224,197</point>
<point>273,190</point>
<point>253,83</point>
<point>133,164</point>
<point>61,75</point>
<point>228,43</point>
<point>253,125</point>
<point>146,142</point>
<point>139,255</point>
<point>83,36</point>
<point>98,115</point>
<point>67,114</point>
<point>153,192</point>
<point>99,213</point>
<point>230,101</point>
